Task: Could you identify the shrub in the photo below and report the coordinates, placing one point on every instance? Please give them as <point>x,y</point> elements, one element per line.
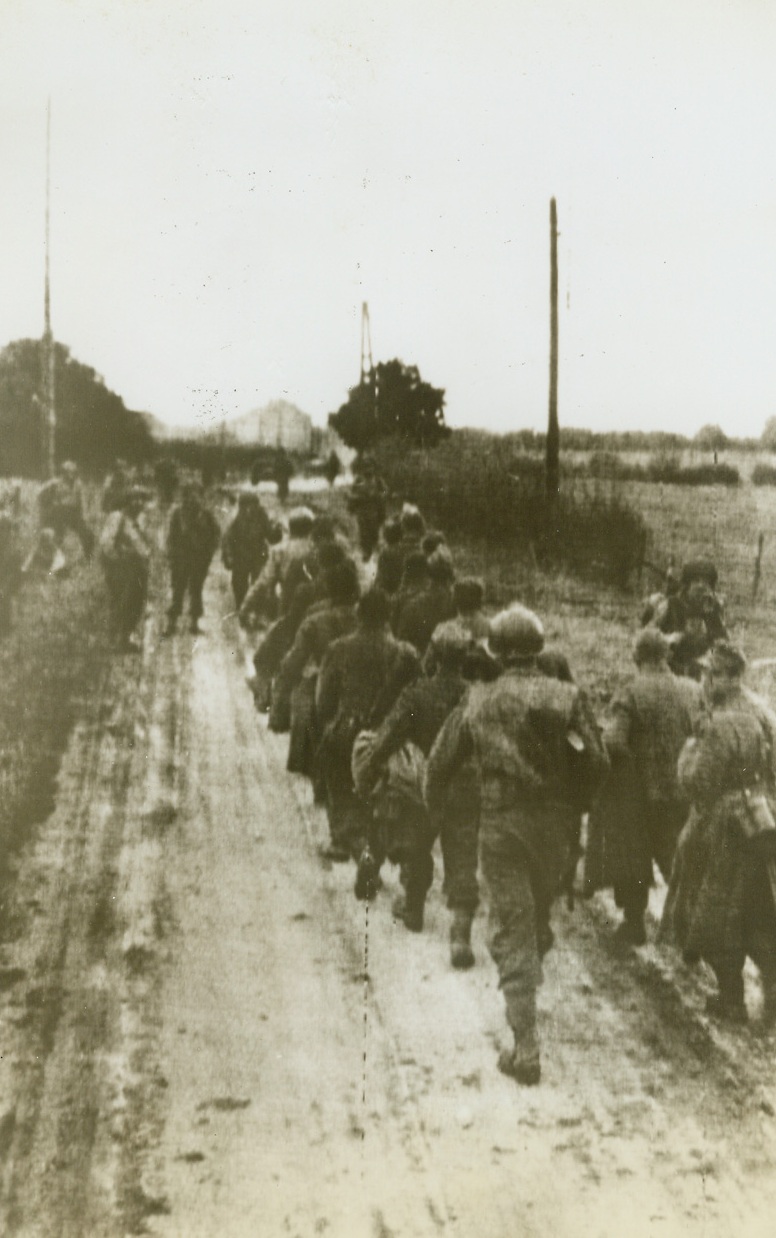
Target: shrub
<point>764,475</point>
<point>478,493</point>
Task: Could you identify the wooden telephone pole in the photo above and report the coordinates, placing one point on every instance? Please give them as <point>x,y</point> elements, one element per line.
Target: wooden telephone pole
<point>49,406</point>
<point>553,432</point>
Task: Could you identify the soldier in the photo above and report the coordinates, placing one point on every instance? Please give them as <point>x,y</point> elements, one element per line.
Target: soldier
<point>535,743</point>
<point>360,678</point>
<point>720,904</point>
<point>413,527</point>
<point>293,690</point>
<point>116,488</point>
<point>390,559</point>
<point>400,827</point>
<point>468,599</point>
<point>640,810</point>
<point>125,557</point>
<point>693,618</point>
<point>61,507</point>
<point>289,564</point>
<point>245,545</point>
<point>433,605</point>
<point>367,504</point>
<point>414,581</point>
<point>10,569</point>
<point>282,472</point>
<point>192,538</point>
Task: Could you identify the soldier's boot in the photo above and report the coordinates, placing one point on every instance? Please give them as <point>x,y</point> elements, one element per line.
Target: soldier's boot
<point>414,906</point>
<point>461,954</point>
<point>631,932</point>
<point>728,1003</point>
<point>521,1063</point>
<point>367,881</point>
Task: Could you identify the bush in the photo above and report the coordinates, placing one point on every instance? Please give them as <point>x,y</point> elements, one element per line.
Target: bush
<point>478,493</point>
<point>764,475</point>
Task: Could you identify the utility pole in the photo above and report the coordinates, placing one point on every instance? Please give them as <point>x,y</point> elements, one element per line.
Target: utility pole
<point>49,407</point>
<point>553,432</point>
<point>367,364</point>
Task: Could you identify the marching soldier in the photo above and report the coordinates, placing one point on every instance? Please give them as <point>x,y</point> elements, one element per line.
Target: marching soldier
<point>536,748</point>
<point>192,538</point>
<point>125,556</point>
<point>360,678</point>
<point>720,904</point>
<point>640,811</point>
<point>61,507</point>
<point>245,545</point>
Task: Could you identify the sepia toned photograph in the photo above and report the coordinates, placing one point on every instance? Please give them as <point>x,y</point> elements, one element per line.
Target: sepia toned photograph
<point>387,619</point>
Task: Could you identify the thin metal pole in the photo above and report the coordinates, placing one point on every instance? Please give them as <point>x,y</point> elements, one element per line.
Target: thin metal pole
<point>48,339</point>
<point>553,431</point>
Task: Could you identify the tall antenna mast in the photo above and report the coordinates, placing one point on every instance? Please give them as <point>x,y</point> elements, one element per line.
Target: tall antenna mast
<point>49,408</point>
<point>367,364</point>
<point>553,432</point>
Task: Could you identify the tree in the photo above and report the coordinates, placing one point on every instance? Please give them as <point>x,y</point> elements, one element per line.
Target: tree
<point>710,438</point>
<point>393,403</point>
<point>768,436</point>
<point>94,427</point>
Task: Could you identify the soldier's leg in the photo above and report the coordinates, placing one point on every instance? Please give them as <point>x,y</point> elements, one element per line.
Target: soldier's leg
<point>513,947</point>
<point>178,581</point>
<point>417,873</point>
<point>633,897</point>
<point>239,585</point>
<point>196,584</point>
<point>459,836</point>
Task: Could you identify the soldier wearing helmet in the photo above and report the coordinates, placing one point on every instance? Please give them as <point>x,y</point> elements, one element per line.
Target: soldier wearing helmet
<point>640,810</point>
<point>538,753</point>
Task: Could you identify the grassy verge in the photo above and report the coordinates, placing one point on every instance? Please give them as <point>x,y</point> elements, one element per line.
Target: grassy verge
<point>49,662</point>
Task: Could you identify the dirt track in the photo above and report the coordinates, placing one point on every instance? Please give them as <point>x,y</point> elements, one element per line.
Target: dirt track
<point>203,1033</point>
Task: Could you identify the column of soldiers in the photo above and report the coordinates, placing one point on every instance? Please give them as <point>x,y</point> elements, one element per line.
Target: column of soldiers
<point>419,717</point>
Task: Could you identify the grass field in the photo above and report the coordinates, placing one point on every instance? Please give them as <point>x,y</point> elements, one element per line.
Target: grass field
<point>48,662</point>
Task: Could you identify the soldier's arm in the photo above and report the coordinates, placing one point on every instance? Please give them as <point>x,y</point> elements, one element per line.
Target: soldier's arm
<point>394,730</point>
<point>261,589</point>
<point>702,763</point>
<point>328,687</point>
<point>451,749</point>
<point>296,659</point>
<point>618,726</point>
<point>585,734</point>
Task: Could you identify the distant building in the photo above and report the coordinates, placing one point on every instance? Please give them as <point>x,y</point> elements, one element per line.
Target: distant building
<point>278,424</point>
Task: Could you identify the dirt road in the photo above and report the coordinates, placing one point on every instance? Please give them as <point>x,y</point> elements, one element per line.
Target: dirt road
<point>203,1033</point>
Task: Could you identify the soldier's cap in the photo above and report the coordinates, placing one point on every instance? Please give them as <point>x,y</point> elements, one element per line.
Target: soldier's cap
<point>450,640</point>
<point>468,593</point>
<point>699,570</point>
<point>726,659</point>
<point>68,466</point>
<point>411,519</point>
<point>516,632</point>
<point>650,646</point>
<point>440,564</point>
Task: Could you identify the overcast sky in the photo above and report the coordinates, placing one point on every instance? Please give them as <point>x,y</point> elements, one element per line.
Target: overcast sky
<point>232,178</point>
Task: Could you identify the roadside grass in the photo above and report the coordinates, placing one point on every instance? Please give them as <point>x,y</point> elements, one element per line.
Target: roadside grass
<point>49,663</point>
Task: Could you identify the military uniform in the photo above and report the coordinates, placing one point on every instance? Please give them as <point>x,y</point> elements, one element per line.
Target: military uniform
<point>401,829</point>
<point>420,614</point>
<point>290,563</point>
<point>10,569</point>
<point>641,809</point>
<point>125,555</point>
<point>245,546</point>
<point>192,538</point>
<point>533,741</point>
<point>720,905</point>
<point>367,503</point>
<point>293,691</point>
<point>360,678</point>
<point>61,508</point>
